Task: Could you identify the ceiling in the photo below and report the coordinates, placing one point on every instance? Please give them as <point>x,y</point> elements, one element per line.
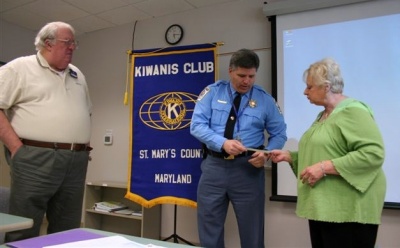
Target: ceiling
<point>91,15</point>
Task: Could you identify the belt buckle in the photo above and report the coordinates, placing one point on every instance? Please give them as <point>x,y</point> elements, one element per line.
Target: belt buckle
<point>78,147</point>
<point>230,157</point>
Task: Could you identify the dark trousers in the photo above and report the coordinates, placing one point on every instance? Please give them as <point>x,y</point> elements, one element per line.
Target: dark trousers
<point>47,181</point>
<point>236,182</point>
<point>343,235</point>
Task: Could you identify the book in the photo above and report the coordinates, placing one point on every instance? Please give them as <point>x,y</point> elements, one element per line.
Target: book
<point>109,206</point>
<point>102,210</point>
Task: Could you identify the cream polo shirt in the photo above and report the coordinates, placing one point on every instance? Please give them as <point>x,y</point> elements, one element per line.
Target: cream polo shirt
<point>44,105</point>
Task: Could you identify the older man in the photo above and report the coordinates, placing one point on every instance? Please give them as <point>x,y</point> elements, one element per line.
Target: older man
<point>45,125</point>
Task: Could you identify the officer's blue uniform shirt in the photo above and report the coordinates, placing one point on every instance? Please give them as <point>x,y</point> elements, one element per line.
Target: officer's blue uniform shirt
<point>261,113</point>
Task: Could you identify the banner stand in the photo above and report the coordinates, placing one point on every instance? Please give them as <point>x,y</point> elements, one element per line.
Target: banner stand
<point>175,236</point>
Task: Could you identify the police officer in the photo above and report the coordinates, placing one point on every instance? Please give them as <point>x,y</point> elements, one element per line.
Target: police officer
<point>230,171</point>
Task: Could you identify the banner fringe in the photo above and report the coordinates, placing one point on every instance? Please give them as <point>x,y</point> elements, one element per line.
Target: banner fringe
<point>160,200</point>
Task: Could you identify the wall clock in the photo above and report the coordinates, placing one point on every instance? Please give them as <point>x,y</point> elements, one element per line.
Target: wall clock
<point>174,34</point>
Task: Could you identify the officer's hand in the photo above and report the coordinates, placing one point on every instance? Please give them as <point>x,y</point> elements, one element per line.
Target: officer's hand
<point>233,147</point>
<point>258,159</point>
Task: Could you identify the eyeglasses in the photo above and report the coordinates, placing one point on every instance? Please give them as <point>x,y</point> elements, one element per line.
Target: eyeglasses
<point>68,42</point>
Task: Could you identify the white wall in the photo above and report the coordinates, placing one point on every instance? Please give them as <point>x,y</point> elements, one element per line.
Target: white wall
<point>102,57</point>
<point>21,40</point>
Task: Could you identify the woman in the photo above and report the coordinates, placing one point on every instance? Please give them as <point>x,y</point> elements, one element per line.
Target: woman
<point>341,184</point>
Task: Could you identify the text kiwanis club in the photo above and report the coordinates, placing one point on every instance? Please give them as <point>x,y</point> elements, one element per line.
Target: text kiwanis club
<point>173,69</point>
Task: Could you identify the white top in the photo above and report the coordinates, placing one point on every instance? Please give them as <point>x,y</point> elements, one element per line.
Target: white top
<point>45,105</point>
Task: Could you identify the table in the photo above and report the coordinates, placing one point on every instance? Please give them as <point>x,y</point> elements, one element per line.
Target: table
<point>85,234</point>
<point>140,240</point>
<point>9,223</point>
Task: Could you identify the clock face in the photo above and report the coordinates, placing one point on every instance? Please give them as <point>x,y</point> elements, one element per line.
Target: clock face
<point>174,34</point>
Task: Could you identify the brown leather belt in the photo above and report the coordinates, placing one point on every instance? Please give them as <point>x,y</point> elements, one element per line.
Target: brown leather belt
<point>55,145</point>
<point>227,156</point>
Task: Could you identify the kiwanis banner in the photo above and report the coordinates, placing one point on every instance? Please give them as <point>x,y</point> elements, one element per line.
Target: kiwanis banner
<point>165,159</point>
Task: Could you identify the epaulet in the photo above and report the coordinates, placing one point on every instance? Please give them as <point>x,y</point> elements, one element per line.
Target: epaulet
<point>261,89</point>
<point>220,82</point>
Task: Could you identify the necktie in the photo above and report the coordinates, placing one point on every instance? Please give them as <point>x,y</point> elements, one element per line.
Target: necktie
<point>230,123</point>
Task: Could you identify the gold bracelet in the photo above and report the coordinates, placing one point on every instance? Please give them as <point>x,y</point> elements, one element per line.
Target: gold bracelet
<point>322,165</point>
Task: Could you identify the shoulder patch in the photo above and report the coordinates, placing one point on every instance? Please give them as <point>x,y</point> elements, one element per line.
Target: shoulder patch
<point>203,93</point>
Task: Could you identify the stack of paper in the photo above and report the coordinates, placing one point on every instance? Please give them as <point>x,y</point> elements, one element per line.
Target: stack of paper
<point>124,211</point>
<point>137,212</point>
<point>129,212</point>
<point>109,206</point>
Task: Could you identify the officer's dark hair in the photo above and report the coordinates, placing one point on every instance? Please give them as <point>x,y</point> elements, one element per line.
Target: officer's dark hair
<point>244,58</point>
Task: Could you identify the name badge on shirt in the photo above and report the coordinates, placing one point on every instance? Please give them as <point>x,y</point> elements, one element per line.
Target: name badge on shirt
<point>73,73</point>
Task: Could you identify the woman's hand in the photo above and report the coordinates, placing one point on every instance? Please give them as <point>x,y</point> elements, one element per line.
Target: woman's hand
<point>279,156</point>
<point>312,174</point>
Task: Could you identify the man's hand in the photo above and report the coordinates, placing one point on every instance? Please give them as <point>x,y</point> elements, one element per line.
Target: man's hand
<point>233,147</point>
<point>258,159</point>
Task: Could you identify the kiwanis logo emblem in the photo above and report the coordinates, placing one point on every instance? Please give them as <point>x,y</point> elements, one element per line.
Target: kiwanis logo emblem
<point>168,111</point>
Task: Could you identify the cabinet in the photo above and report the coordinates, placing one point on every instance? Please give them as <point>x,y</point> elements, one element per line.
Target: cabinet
<point>148,225</point>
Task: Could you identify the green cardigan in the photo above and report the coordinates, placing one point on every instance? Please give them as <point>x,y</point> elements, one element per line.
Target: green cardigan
<point>350,138</point>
